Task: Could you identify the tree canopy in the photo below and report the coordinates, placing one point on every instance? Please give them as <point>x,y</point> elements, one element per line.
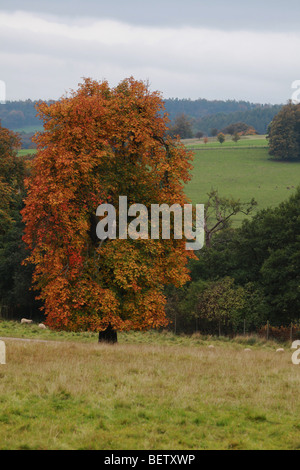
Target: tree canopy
<point>263,253</point>
<point>182,127</point>
<point>284,133</point>
<point>15,280</point>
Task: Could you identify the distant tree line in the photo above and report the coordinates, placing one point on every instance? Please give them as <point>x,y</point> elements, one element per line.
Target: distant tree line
<point>206,115</point>
<point>258,118</point>
<point>19,114</point>
<point>202,107</point>
<point>203,115</point>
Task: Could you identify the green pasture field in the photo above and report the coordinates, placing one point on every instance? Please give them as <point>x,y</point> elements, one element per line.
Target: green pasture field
<point>23,152</point>
<point>243,173</point>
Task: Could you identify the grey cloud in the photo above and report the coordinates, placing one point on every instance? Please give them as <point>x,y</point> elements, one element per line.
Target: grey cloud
<point>43,58</point>
<point>267,15</point>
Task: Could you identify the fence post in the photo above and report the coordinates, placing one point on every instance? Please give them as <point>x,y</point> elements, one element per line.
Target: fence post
<point>267,330</point>
<point>244,326</point>
<point>291,333</point>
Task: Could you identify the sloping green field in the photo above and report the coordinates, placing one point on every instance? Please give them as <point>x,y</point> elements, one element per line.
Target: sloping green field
<point>23,152</point>
<point>242,173</point>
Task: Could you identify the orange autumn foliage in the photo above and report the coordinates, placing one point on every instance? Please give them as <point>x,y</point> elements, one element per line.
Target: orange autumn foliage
<point>100,143</point>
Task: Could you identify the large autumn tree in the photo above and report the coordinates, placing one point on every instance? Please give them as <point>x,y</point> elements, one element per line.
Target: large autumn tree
<point>100,143</point>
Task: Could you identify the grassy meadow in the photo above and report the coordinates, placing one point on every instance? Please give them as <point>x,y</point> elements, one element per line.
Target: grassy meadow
<point>23,152</point>
<point>242,172</point>
<point>150,391</point>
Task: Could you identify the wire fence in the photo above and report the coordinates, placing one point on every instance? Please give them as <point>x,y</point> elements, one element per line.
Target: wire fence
<point>180,324</point>
<point>5,312</point>
<point>280,333</point>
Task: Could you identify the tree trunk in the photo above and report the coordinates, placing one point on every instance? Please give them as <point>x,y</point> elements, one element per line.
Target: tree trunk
<point>108,336</point>
<point>208,235</point>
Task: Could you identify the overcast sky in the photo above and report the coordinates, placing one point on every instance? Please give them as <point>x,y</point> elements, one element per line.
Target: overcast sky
<point>186,49</point>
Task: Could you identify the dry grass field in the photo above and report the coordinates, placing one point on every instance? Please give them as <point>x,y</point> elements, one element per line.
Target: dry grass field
<point>82,395</point>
